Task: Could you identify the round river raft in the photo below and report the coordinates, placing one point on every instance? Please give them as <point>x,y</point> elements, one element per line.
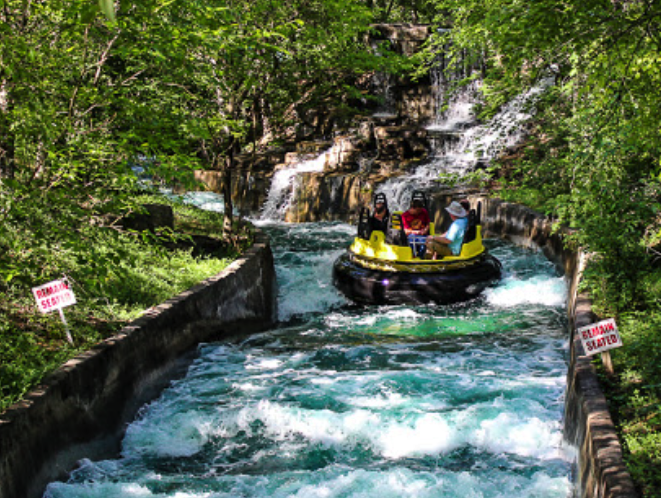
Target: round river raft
<point>379,268</point>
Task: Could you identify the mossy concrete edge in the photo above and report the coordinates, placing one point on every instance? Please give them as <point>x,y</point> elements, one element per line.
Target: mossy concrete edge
<point>588,424</point>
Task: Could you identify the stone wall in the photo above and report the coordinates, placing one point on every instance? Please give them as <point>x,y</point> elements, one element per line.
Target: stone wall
<point>371,148</point>
<point>81,410</point>
<point>588,424</point>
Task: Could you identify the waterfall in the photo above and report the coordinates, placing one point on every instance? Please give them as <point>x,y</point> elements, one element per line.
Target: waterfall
<point>383,84</point>
<point>284,185</point>
<point>460,144</point>
<point>383,88</point>
<point>459,114</point>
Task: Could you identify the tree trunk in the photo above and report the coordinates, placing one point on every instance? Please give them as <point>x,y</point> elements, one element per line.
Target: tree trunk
<point>6,137</point>
<point>228,218</point>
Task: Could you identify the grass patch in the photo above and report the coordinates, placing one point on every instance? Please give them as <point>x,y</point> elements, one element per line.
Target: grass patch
<point>115,274</point>
<point>634,397</point>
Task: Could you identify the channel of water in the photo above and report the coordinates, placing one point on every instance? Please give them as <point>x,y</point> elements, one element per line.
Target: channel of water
<point>348,401</point>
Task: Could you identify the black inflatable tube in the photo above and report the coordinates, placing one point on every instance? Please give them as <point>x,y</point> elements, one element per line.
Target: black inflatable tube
<point>366,286</point>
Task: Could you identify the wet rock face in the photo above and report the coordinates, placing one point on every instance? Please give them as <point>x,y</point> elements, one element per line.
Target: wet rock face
<point>324,197</point>
<point>380,144</point>
<point>372,154</point>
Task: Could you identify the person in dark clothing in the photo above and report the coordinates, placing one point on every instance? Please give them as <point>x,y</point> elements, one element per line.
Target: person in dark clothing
<point>465,203</point>
<point>381,215</point>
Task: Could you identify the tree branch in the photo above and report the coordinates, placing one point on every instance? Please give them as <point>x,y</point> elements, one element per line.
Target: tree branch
<point>103,59</point>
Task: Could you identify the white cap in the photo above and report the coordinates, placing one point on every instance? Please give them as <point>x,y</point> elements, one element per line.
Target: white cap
<point>456,209</point>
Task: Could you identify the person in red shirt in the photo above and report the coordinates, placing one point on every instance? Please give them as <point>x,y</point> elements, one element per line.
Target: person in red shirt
<point>416,226</point>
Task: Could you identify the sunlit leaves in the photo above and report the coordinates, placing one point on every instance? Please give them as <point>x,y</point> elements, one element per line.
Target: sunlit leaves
<point>108,9</point>
<point>86,91</point>
<point>599,160</point>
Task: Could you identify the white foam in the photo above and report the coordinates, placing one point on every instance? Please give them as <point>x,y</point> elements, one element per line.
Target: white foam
<point>390,400</point>
<point>427,435</point>
<point>395,437</point>
<point>103,490</point>
<point>546,291</point>
<point>387,314</point>
<point>308,288</point>
<point>529,437</point>
<point>337,482</point>
<point>247,387</point>
<point>178,435</point>
<point>364,484</point>
<point>263,363</point>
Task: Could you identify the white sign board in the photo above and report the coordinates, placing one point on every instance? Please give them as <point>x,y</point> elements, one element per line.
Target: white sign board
<point>54,295</point>
<point>600,337</point>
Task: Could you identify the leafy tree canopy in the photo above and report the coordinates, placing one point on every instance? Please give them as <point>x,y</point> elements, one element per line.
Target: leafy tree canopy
<point>87,92</point>
<point>595,151</point>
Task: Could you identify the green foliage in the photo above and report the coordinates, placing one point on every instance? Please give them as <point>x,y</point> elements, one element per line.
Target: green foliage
<point>635,394</point>
<point>402,11</point>
<point>115,275</point>
<point>23,362</point>
<point>592,161</point>
<point>185,85</point>
<point>86,91</point>
<point>479,178</point>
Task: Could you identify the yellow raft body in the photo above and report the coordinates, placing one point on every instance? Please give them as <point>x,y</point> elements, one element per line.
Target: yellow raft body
<point>375,271</point>
<point>376,253</point>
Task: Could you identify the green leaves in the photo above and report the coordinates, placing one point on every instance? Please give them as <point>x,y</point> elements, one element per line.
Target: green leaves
<point>186,85</point>
<point>592,157</point>
<point>108,9</point>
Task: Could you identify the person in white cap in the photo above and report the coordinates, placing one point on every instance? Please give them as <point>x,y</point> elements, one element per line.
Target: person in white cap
<point>449,243</point>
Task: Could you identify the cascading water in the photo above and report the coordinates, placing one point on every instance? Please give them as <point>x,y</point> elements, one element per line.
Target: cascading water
<point>383,89</point>
<point>387,107</point>
<point>284,183</point>
<point>346,401</point>
<point>460,143</point>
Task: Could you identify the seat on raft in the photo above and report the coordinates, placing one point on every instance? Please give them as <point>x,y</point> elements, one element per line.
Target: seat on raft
<point>393,245</point>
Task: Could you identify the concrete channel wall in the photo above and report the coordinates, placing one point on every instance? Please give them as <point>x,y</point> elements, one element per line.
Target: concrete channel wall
<point>83,408</point>
<point>588,424</point>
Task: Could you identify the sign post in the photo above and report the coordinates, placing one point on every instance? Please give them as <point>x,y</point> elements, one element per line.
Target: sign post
<point>600,338</point>
<point>55,295</point>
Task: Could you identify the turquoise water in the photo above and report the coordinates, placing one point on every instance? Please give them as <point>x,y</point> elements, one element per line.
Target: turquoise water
<point>349,401</point>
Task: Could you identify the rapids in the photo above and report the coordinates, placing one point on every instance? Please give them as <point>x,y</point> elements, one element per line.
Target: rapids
<point>346,401</point>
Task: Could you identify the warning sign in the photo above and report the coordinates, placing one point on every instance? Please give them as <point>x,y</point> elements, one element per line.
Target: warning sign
<point>600,337</point>
<point>54,295</point>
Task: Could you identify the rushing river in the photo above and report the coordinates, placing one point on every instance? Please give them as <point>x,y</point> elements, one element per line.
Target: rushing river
<point>348,401</point>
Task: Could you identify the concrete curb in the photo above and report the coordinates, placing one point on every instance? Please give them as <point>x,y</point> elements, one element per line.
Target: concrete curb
<point>588,423</point>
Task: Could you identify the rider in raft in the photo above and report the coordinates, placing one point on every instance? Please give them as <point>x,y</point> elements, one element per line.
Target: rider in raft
<point>449,243</point>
